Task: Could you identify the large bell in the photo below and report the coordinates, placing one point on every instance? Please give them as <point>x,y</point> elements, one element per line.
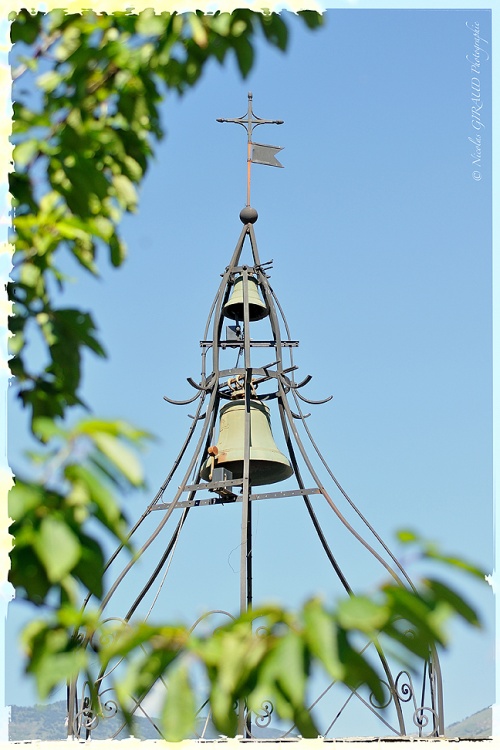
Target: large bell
<point>267,464</point>
<point>234,306</point>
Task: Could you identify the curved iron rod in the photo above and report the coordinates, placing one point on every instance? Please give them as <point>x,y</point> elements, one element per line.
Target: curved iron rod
<point>436,686</point>
<point>296,386</point>
<point>310,401</point>
<point>302,383</point>
<point>200,388</point>
<point>182,403</point>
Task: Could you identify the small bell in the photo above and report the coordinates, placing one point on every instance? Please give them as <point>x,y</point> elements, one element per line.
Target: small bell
<point>234,306</point>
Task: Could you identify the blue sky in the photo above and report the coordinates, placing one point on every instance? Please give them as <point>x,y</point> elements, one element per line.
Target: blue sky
<point>380,236</point>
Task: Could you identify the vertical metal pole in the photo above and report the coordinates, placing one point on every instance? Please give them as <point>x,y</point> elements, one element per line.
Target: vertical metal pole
<point>246,533</point>
<point>249,167</point>
<point>70,699</point>
<point>246,517</point>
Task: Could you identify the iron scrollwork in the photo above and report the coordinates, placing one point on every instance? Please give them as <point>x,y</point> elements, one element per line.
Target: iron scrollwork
<point>263,718</point>
<point>377,704</point>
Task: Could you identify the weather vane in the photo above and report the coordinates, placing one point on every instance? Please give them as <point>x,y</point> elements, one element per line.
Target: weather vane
<point>257,153</point>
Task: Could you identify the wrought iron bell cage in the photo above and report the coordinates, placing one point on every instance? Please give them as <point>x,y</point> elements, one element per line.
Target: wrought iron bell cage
<point>203,478</point>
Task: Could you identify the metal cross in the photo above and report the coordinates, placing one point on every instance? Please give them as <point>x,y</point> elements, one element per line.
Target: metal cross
<point>249,122</point>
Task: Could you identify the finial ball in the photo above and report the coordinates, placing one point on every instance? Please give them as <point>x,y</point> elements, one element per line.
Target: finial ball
<point>248,215</point>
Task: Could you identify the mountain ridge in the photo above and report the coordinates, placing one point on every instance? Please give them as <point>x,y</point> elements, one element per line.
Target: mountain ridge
<point>48,722</point>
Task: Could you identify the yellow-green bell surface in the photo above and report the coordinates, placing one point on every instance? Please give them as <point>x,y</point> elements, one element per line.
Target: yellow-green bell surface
<point>234,306</point>
<point>267,464</point>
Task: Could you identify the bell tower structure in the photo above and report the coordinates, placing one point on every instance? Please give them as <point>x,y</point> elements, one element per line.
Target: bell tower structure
<point>230,457</point>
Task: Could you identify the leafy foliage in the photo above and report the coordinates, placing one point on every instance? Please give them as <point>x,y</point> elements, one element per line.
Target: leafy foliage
<point>53,550</point>
<point>242,662</point>
<point>83,149</point>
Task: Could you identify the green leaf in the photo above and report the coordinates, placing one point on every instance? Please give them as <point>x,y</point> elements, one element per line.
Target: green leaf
<point>320,634</point>
<point>431,552</point>
<point>44,428</point>
<point>25,151</point>
<point>27,575</point>
<point>120,456</point>
<point>71,40</point>
<point>57,547</point>
<point>455,562</point>
<point>406,536</point>
<point>291,665</point>
<point>444,593</point>
<point>118,250</point>
<point>275,29</point>
<point>361,613</point>
<point>125,192</point>
<point>149,23</point>
<point>21,188</point>
<point>90,567</point>
<point>117,427</point>
<point>179,712</point>
<point>58,669</point>
<point>223,712</point>
<point>414,608</point>
<point>312,18</point>
<point>23,498</point>
<point>25,27</point>
<point>167,642</point>
<point>49,81</point>
<point>107,509</point>
<point>358,671</point>
<point>244,54</point>
<point>198,30</point>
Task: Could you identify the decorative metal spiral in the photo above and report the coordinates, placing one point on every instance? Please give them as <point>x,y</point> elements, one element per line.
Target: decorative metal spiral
<point>375,703</point>
<point>263,718</point>
<point>422,717</point>
<point>85,718</point>
<point>262,631</point>
<point>404,690</point>
<point>109,707</point>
